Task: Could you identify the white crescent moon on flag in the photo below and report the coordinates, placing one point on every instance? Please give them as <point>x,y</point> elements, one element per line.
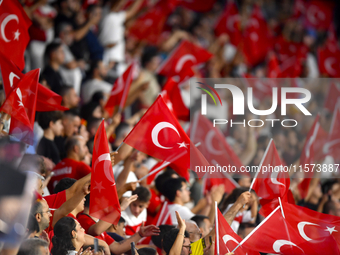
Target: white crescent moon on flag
<point>4,23</point>
<point>231,21</point>
<point>182,61</point>
<point>157,129</point>
<point>301,225</point>
<point>273,177</point>
<point>11,77</point>
<point>279,243</point>
<point>312,139</point>
<point>119,88</point>
<point>108,170</point>
<point>329,144</point>
<point>227,238</point>
<point>329,62</point>
<point>208,143</point>
<point>311,11</point>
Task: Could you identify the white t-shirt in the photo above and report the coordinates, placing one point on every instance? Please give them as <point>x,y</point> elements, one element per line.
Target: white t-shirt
<point>133,223</point>
<point>112,31</point>
<point>183,211</point>
<point>92,86</point>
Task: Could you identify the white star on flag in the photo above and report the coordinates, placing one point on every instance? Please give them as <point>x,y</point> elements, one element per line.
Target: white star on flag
<point>331,230</point>
<point>16,35</point>
<point>99,186</point>
<point>182,144</point>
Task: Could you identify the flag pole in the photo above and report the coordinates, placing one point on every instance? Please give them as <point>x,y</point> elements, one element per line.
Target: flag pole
<point>120,145</point>
<point>216,228</point>
<point>264,155</point>
<point>258,226</point>
<point>283,214</point>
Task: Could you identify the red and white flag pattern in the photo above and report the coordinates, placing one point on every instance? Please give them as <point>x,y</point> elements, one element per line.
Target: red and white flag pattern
<point>104,202</point>
<point>184,56</point>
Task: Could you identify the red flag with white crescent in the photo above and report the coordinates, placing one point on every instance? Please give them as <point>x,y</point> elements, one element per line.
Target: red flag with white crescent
<point>159,134</point>
<point>104,202</point>
<point>14,25</point>
<point>184,56</point>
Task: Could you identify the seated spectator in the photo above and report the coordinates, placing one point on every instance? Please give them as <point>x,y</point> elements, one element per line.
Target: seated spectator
<point>203,223</point>
<point>117,232</point>
<point>72,166</point>
<point>50,122</point>
<point>34,246</point>
<point>135,214</point>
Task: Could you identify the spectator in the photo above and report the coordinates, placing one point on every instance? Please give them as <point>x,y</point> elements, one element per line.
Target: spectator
<point>135,214</point>
<point>50,122</point>
<point>72,166</point>
<point>70,97</point>
<point>34,246</point>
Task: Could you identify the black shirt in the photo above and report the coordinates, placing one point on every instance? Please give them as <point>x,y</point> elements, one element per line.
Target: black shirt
<point>48,149</point>
<point>53,78</point>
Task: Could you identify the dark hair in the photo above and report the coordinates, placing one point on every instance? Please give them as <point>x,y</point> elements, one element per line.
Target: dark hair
<point>93,122</point>
<point>87,201</point>
<point>329,207</point>
<point>147,251</point>
<point>62,239</point>
<point>148,54</point>
<point>157,240</point>
<point>94,66</point>
<point>50,48</point>
<point>32,246</point>
<point>64,184</point>
<point>160,179</point>
<point>70,143</point>
<point>100,248</point>
<point>199,219</point>
<point>171,186</point>
<point>44,118</point>
<point>87,110</point>
<point>143,193</point>
<point>169,239</point>
<point>121,220</point>
<point>64,90</point>
<point>232,197</point>
<point>36,208</point>
<point>97,96</point>
<point>32,224</point>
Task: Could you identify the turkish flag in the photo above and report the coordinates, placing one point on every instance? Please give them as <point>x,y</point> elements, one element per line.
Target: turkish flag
<point>319,14</point>
<point>332,97</point>
<point>14,31</point>
<point>120,90</point>
<point>149,26</point>
<point>104,202</point>
<point>299,8</point>
<point>271,181</point>
<point>47,100</point>
<point>21,101</point>
<point>279,234</point>
<point>184,56</point>
<point>316,133</point>
<point>332,146</point>
<point>230,23</point>
<point>159,134</point>
<point>256,40</point>
<point>217,151</point>
<point>173,93</point>
<point>314,225</point>
<point>227,239</point>
<point>198,5</point>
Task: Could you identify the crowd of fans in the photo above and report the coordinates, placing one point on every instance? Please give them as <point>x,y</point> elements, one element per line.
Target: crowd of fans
<point>82,47</point>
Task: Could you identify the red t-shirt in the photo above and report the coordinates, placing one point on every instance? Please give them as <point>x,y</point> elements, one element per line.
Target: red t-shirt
<point>86,222</point>
<point>68,168</point>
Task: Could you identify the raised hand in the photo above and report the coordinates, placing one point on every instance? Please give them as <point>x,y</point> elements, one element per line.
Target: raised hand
<point>127,201</point>
<point>150,230</point>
